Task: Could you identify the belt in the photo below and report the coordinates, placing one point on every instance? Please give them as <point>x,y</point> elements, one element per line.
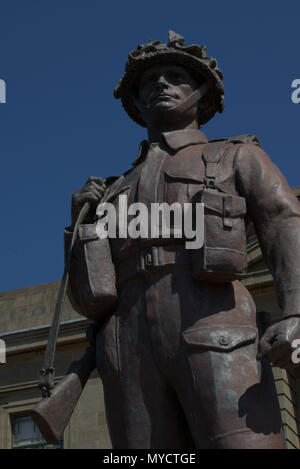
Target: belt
<point>153,259</point>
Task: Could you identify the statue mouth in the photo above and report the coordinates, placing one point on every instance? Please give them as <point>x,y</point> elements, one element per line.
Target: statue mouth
<point>162,97</point>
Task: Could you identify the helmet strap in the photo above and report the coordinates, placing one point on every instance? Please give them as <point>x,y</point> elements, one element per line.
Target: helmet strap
<point>191,100</point>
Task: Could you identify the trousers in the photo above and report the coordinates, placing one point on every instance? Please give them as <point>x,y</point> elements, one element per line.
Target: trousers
<point>179,369</point>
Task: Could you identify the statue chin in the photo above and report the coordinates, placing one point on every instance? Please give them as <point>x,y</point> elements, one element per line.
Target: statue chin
<point>162,112</point>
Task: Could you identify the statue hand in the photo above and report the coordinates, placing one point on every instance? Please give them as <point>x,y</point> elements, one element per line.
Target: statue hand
<point>91,192</point>
<point>276,343</point>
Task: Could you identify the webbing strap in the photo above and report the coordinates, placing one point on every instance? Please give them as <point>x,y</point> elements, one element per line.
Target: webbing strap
<point>212,154</point>
<point>46,382</point>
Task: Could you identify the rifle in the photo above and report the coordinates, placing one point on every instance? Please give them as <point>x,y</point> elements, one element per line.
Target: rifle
<point>47,413</point>
<point>53,413</point>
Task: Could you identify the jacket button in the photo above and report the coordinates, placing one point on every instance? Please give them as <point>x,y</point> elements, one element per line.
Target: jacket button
<point>223,340</point>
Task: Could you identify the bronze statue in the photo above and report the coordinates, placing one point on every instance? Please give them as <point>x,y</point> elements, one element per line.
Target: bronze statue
<point>177,344</point>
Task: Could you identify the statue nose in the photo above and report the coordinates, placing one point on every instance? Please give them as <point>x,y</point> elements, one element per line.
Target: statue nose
<point>161,82</point>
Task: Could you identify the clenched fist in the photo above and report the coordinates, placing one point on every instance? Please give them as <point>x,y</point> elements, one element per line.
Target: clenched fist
<point>91,192</point>
<point>276,343</point>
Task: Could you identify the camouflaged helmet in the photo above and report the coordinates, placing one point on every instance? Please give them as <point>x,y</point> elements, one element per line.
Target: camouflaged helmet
<point>193,58</point>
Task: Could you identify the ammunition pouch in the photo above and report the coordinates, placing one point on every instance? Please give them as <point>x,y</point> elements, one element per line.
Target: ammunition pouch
<point>223,257</point>
<point>92,286</point>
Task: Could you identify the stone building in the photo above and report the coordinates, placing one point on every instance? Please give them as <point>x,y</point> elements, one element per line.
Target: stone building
<point>25,317</point>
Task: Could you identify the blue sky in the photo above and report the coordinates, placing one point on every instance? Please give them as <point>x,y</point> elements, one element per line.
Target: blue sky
<point>61,60</point>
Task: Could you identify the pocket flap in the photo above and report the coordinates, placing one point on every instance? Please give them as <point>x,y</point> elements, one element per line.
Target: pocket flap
<point>231,206</point>
<point>237,206</point>
<point>220,338</point>
<point>183,176</point>
<point>213,201</point>
<point>87,232</point>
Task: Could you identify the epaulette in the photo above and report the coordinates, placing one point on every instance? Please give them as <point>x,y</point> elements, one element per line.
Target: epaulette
<point>245,138</point>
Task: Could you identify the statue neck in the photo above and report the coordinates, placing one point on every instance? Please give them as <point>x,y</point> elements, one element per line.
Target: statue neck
<point>154,132</point>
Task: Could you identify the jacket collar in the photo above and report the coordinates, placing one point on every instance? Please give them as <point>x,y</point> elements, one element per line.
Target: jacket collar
<point>175,140</point>
<point>183,138</point>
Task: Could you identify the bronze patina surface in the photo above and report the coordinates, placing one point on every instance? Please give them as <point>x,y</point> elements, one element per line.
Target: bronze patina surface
<point>180,356</point>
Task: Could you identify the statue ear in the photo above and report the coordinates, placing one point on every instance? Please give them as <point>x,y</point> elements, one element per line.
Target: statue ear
<point>139,106</point>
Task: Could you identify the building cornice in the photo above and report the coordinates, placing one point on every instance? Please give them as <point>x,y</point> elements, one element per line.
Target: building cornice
<point>36,338</point>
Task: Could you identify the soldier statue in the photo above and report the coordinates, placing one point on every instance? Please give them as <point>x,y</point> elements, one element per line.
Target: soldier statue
<point>178,347</point>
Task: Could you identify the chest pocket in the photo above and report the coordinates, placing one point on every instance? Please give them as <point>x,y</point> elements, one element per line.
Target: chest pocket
<point>181,187</point>
<point>223,257</point>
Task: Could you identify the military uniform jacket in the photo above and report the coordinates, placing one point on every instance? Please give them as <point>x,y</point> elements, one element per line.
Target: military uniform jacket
<point>174,170</point>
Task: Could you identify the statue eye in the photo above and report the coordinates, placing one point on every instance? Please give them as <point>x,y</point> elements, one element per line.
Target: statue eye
<point>176,76</point>
<point>149,79</point>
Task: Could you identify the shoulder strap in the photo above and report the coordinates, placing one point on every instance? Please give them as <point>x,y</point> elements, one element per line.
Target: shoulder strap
<point>215,149</point>
<point>244,138</point>
<point>212,154</point>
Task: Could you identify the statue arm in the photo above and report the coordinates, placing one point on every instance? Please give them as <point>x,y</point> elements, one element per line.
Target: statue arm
<point>275,212</point>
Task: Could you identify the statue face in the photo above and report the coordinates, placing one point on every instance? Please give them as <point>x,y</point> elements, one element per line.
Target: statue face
<point>162,87</point>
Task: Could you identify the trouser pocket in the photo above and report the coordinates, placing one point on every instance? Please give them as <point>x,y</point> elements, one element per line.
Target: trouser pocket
<point>228,389</point>
<point>220,338</point>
